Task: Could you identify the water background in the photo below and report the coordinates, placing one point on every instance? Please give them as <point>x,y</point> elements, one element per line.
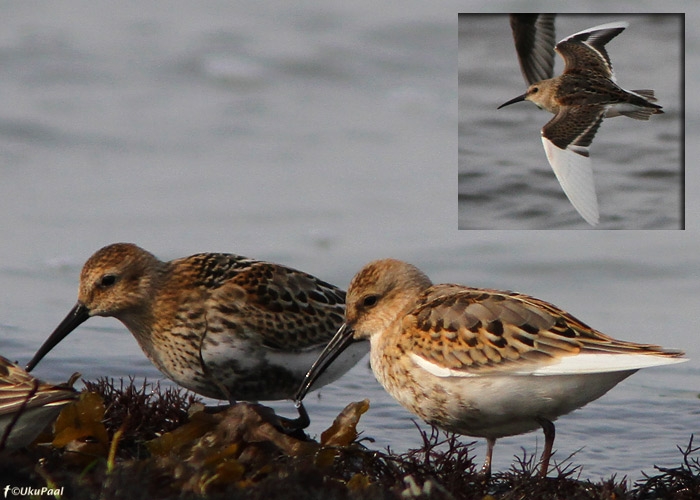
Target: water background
<point>320,136</point>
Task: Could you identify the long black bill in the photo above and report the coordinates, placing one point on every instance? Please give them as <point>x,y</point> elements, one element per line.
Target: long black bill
<point>513,101</point>
<point>75,317</point>
<point>340,341</point>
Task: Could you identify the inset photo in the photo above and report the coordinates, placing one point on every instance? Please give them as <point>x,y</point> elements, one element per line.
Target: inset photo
<point>538,148</point>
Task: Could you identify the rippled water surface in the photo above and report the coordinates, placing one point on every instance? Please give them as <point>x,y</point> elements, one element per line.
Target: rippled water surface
<point>320,136</point>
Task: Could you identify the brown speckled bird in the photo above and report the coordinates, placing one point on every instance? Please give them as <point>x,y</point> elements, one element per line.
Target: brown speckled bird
<point>222,325</point>
<point>28,405</point>
<point>480,362</point>
<point>580,98</point>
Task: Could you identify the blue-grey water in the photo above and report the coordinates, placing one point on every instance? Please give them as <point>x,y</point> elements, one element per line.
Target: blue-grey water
<point>505,181</point>
<point>320,136</point>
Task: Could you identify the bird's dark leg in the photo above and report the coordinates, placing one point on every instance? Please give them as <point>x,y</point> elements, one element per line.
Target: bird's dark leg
<point>548,428</point>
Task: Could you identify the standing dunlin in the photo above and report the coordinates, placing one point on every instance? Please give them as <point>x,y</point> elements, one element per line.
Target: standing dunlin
<point>222,325</point>
<point>479,362</point>
<point>27,405</point>
<point>580,98</point>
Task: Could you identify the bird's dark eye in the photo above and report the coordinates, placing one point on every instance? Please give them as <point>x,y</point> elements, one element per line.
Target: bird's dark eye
<point>535,90</point>
<point>108,280</point>
<point>370,301</point>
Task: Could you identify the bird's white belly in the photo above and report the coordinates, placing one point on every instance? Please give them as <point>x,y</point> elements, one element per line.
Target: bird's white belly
<point>494,405</point>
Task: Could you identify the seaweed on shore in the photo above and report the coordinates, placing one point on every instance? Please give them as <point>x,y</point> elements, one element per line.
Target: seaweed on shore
<point>682,482</point>
<point>125,441</point>
<point>142,412</point>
